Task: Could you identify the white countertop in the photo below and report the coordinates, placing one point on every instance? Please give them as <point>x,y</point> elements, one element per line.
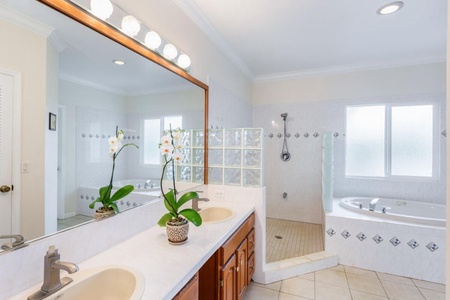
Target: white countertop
<point>166,268</point>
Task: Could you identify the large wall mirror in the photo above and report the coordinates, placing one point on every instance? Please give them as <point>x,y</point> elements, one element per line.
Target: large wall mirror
<point>62,69</point>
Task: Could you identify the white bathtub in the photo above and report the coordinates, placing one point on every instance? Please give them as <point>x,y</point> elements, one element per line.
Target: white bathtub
<point>140,185</point>
<point>399,210</point>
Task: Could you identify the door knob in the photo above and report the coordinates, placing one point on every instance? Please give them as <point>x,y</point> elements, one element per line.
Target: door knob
<point>5,189</point>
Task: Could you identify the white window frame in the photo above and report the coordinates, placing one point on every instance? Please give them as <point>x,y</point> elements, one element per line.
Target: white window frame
<point>436,152</point>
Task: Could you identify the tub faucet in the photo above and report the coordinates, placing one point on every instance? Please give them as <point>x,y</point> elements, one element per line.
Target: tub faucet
<point>195,203</point>
<point>52,281</point>
<point>373,203</point>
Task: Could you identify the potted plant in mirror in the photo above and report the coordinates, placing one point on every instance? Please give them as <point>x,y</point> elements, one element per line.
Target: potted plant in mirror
<point>108,202</point>
<point>176,219</point>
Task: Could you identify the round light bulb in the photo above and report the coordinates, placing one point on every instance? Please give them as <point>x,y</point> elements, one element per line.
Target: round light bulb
<point>184,61</point>
<point>170,51</point>
<point>152,40</point>
<point>390,8</point>
<point>102,9</point>
<point>130,26</point>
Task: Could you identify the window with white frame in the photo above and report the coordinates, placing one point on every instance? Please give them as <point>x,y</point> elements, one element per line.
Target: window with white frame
<point>152,136</point>
<point>392,141</point>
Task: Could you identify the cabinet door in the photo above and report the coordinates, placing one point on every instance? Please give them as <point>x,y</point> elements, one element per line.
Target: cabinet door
<point>190,291</point>
<point>241,269</point>
<point>228,279</point>
<point>251,242</point>
<point>250,268</point>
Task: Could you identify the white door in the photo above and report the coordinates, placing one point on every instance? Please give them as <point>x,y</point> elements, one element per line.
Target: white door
<point>6,145</point>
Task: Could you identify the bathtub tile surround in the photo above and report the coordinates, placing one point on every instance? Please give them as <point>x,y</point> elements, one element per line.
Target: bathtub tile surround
<point>393,247</point>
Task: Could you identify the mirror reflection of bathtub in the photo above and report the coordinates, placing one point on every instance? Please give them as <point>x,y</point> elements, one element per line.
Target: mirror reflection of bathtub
<point>398,209</point>
<point>145,190</point>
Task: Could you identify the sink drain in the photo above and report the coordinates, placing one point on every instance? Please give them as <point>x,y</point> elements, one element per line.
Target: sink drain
<point>278,237</point>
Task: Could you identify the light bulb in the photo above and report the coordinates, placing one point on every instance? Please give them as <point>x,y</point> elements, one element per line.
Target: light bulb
<point>102,9</point>
<point>130,26</point>
<point>390,8</point>
<point>184,61</point>
<point>170,51</point>
<point>152,40</point>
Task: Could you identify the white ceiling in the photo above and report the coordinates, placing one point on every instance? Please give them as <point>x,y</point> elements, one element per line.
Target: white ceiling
<point>288,38</point>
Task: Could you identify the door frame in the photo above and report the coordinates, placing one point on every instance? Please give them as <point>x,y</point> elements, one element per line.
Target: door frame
<point>16,146</point>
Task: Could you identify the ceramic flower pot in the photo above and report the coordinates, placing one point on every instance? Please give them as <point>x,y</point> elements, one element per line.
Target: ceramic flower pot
<point>103,213</point>
<point>177,231</point>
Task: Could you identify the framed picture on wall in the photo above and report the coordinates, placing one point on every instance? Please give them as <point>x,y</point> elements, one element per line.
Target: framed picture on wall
<point>52,122</point>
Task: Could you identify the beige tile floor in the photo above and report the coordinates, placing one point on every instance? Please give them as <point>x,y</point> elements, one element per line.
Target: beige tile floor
<point>72,221</point>
<point>346,283</point>
<point>297,239</point>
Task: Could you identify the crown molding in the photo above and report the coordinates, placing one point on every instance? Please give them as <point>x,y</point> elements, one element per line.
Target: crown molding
<point>194,13</point>
<point>24,21</point>
<point>345,69</point>
<point>57,42</point>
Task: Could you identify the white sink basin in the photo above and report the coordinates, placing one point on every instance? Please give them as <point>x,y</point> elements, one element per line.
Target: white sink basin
<point>105,283</point>
<point>216,214</point>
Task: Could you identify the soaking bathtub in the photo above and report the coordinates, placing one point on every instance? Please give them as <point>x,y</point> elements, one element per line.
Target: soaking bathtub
<point>140,185</point>
<point>399,210</point>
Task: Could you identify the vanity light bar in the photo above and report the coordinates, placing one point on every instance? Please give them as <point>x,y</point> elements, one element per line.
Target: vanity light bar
<point>112,14</point>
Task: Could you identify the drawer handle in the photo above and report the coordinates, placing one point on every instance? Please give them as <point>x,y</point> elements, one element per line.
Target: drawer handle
<point>237,269</point>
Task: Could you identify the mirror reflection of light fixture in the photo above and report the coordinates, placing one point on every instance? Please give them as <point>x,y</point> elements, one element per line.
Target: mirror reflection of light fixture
<point>390,8</point>
<point>170,51</point>
<point>118,62</point>
<point>130,26</point>
<point>152,40</point>
<point>102,9</point>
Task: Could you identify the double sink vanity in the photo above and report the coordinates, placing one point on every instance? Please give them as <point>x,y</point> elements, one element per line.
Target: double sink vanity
<point>217,262</point>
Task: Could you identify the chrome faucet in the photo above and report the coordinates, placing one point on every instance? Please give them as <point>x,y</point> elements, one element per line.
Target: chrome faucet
<point>18,243</point>
<point>52,281</point>
<point>373,203</point>
<point>195,203</point>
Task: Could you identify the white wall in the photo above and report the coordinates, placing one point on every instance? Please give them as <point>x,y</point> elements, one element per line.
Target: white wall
<point>318,103</point>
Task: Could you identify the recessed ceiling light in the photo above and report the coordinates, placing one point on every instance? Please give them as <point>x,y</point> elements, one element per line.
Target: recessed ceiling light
<point>390,8</point>
<point>119,62</point>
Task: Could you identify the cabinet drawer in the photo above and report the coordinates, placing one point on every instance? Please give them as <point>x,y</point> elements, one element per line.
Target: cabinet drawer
<point>228,248</point>
<point>250,268</point>
<point>251,242</point>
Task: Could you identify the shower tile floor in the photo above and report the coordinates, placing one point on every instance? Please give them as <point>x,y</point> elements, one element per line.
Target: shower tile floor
<point>346,283</point>
<point>72,221</point>
<point>289,239</point>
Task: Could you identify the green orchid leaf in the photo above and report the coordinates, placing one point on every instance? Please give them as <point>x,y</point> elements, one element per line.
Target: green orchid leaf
<point>164,219</point>
<point>122,192</point>
<point>91,206</point>
<point>113,205</point>
<point>169,202</point>
<point>103,191</point>
<point>192,216</point>
<point>187,197</point>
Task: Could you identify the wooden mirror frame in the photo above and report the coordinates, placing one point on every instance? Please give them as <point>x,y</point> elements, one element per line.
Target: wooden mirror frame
<point>72,11</point>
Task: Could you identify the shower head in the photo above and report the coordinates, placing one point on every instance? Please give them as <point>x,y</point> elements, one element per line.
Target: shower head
<point>284,116</point>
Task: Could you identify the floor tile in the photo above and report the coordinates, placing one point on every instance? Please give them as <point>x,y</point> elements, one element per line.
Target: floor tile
<point>360,272</point>
<point>365,284</point>
<point>331,277</point>
<point>339,268</point>
<point>357,295</point>
<point>429,285</point>
<point>327,292</point>
<point>272,286</point>
<point>432,295</point>
<point>400,291</point>
<point>309,276</point>
<point>298,287</point>
<point>257,292</point>
<point>394,278</point>
<point>284,296</point>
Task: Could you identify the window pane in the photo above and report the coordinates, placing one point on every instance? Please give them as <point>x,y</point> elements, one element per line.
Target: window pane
<point>412,140</point>
<point>175,122</point>
<point>365,141</point>
<point>151,141</point>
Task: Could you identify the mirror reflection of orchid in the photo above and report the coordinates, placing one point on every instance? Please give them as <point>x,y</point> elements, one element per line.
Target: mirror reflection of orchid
<point>172,150</point>
<point>105,198</point>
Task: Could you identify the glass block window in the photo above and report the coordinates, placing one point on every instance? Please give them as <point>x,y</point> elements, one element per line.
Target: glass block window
<point>152,135</point>
<point>392,141</point>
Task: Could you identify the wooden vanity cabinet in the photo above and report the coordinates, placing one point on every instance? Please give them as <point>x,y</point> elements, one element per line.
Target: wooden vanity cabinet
<point>190,291</point>
<point>228,271</point>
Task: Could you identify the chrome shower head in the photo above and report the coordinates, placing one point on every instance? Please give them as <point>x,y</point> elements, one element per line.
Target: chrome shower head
<point>284,116</point>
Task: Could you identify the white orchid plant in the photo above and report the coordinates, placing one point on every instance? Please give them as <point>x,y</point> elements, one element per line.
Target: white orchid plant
<point>105,198</point>
<point>171,149</point>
